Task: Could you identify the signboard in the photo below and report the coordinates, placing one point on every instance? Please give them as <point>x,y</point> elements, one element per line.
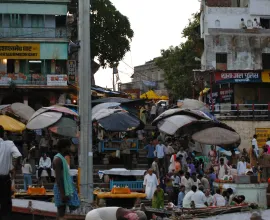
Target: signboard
<point>238,77</point>
<point>57,80</point>
<point>71,66</point>
<point>5,81</point>
<point>226,95</point>
<point>266,76</point>
<point>263,134</point>
<point>17,51</point>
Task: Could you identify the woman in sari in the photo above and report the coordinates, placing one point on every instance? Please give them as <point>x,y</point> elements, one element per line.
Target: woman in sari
<point>158,198</point>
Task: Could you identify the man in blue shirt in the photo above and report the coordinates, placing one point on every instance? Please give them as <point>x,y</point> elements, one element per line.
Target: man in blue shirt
<point>181,196</point>
<point>150,153</point>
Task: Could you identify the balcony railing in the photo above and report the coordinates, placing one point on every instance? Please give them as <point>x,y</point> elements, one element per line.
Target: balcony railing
<point>241,111</point>
<point>33,32</point>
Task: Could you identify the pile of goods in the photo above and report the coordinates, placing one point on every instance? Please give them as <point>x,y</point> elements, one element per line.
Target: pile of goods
<point>36,191</point>
<point>120,190</point>
<point>226,179</point>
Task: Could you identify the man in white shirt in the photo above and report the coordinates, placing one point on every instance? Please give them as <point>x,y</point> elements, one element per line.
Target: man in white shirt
<point>8,150</point>
<point>255,144</point>
<point>199,198</point>
<point>218,199</point>
<point>160,153</point>
<point>176,183</point>
<point>184,154</point>
<point>241,166</point>
<point>45,163</point>
<point>153,112</point>
<point>188,197</point>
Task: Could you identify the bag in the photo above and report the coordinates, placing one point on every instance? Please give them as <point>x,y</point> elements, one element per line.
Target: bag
<point>117,153</point>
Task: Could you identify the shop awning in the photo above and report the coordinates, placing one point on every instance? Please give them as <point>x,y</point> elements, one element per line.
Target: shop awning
<point>206,90</point>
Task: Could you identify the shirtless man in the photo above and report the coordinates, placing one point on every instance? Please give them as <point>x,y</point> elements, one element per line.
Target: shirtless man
<point>115,213</point>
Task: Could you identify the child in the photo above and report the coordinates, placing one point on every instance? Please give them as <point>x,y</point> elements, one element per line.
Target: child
<point>27,174</point>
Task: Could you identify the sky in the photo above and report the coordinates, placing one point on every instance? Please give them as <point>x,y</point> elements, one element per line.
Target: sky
<point>157,25</point>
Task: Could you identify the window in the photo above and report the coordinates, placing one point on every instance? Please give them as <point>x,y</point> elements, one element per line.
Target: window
<point>266,61</point>
<point>221,61</point>
<point>35,66</point>
<point>1,20</point>
<point>10,66</point>
<point>15,20</point>
<point>265,23</point>
<point>60,66</point>
<point>60,20</point>
<point>22,66</point>
<point>37,21</point>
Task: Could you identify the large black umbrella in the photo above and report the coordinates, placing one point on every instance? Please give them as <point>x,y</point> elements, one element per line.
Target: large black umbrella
<point>120,121</point>
<point>119,100</point>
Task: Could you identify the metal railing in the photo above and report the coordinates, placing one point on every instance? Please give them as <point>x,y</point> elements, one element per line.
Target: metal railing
<point>241,111</point>
<point>29,32</point>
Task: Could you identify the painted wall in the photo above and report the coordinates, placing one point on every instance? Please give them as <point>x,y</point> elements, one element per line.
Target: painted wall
<point>27,8</point>
<point>56,51</point>
<point>243,51</point>
<point>259,7</point>
<point>246,130</point>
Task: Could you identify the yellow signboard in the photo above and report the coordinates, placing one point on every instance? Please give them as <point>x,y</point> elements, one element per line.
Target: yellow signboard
<point>263,134</point>
<point>19,51</point>
<point>266,76</point>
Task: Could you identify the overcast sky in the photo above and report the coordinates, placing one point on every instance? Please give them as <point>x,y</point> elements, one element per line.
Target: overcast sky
<point>157,24</point>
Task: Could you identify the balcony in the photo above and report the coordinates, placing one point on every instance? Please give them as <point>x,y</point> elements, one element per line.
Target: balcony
<point>33,32</point>
<point>33,80</point>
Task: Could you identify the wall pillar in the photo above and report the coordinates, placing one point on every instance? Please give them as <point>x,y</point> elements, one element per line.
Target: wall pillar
<point>53,67</point>
<point>17,66</point>
<point>25,100</point>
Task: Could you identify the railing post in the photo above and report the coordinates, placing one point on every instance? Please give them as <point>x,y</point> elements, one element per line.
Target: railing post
<point>237,110</point>
<point>268,110</point>
<point>253,112</point>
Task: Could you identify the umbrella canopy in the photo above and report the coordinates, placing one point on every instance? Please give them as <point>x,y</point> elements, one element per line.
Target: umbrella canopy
<point>11,124</point>
<point>164,97</point>
<point>23,111</point>
<point>61,109</point>
<point>112,99</point>
<point>194,105</point>
<point>178,111</point>
<point>172,124</point>
<point>38,112</point>
<point>120,121</point>
<point>43,120</point>
<point>227,152</point>
<point>150,95</point>
<point>106,105</point>
<point>65,127</point>
<point>105,113</point>
<point>4,106</point>
<point>216,136</point>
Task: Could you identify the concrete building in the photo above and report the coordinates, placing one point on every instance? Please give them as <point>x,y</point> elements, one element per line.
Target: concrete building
<point>33,51</point>
<point>236,64</point>
<point>237,50</point>
<point>147,76</point>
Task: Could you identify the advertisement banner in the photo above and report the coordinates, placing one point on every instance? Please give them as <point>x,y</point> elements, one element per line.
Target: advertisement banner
<point>238,77</point>
<point>71,66</point>
<point>266,76</point>
<point>57,80</point>
<point>226,95</point>
<point>17,51</point>
<point>263,134</point>
<point>5,81</point>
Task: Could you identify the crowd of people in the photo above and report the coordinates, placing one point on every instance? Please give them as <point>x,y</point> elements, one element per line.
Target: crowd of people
<point>188,180</point>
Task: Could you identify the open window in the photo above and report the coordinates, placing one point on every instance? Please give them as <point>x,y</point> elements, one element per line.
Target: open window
<point>266,61</point>
<point>35,66</point>
<point>60,21</point>
<point>10,66</point>
<point>265,23</point>
<point>221,61</point>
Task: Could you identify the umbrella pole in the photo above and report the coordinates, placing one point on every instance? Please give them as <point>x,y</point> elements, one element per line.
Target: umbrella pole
<point>85,108</point>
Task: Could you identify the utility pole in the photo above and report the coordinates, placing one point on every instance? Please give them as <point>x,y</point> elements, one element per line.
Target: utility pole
<point>115,71</point>
<point>85,108</point>
<point>113,80</point>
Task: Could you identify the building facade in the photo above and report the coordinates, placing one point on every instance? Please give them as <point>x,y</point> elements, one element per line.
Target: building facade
<point>146,77</point>
<point>236,58</point>
<point>33,51</point>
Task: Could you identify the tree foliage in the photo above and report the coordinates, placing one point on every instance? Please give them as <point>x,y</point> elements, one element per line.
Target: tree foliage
<point>178,62</point>
<point>111,33</point>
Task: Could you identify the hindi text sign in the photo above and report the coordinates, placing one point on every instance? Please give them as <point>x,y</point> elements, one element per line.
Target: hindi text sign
<point>20,51</point>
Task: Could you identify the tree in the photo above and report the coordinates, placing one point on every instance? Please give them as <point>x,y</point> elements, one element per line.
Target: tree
<point>178,62</point>
<point>111,33</point>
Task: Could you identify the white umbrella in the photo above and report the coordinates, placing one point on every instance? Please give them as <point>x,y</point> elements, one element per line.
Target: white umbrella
<point>22,110</point>
<point>38,112</point>
<point>105,105</point>
<point>43,120</point>
<point>194,105</point>
<point>104,113</point>
<point>172,124</point>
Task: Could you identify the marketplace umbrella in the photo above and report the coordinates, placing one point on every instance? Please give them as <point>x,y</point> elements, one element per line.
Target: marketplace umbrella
<point>120,121</point>
<point>22,110</point>
<point>65,127</point>
<point>194,104</point>
<point>11,124</point>
<point>106,105</point>
<point>227,152</point>
<point>43,120</point>
<point>150,95</point>
<point>38,112</point>
<point>172,124</point>
<point>61,109</point>
<point>216,136</point>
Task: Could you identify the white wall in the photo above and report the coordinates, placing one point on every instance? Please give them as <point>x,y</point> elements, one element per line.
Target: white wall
<point>260,7</point>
